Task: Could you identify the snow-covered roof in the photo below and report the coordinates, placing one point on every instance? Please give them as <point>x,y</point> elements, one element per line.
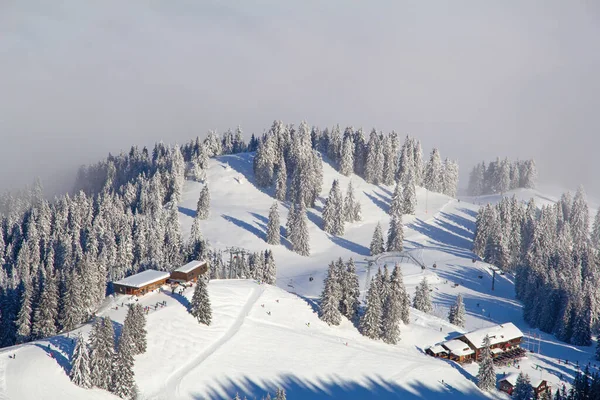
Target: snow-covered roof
<point>438,349</point>
<point>497,351</point>
<point>190,266</point>
<point>458,348</point>
<point>498,334</point>
<point>512,379</point>
<point>143,278</point>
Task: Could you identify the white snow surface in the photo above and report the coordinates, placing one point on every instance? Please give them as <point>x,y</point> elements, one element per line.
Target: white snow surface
<point>263,337</point>
<point>143,278</point>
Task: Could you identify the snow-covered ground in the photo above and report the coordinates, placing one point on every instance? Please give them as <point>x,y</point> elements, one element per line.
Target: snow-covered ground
<point>250,351</point>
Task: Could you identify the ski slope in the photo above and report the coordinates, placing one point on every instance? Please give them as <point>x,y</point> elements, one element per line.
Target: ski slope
<point>263,337</point>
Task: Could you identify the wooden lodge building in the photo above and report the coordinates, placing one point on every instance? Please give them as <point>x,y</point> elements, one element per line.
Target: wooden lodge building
<point>150,279</point>
<point>142,283</point>
<point>189,272</point>
<point>508,384</point>
<point>467,347</point>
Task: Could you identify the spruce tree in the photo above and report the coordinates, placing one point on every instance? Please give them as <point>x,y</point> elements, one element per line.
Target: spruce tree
<point>333,211</point>
<point>397,287</point>
<point>330,297</point>
<point>123,382</point>
<point>433,172</point>
<point>370,322</point>
<point>80,364</point>
<point>280,394</point>
<point>281,180</point>
<point>273,226</point>
<point>395,234</point>
<point>397,201</point>
<point>300,238</point>
<point>409,195</point>
<point>200,305</point>
<point>523,389</point>
<point>139,332</point>
<point>351,206</point>
<point>102,350</point>
<point>23,322</point>
<point>377,243</point>
<point>203,206</point>
<point>422,300</point>
<point>456,315</point>
<point>352,287</point>
<point>391,317</point>
<point>196,244</point>
<point>486,377</point>
<point>45,315</point>
<point>347,156</point>
<point>270,270</point>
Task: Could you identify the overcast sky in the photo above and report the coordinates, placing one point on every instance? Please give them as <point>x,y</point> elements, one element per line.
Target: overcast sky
<point>477,79</point>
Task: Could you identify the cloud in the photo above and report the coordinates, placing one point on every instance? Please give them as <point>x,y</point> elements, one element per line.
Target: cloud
<point>81,79</point>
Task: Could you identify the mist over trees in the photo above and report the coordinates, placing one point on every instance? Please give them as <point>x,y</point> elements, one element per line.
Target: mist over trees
<point>501,176</point>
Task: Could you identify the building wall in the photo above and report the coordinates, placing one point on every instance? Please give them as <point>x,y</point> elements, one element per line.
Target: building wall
<point>190,276</point>
<point>128,290</point>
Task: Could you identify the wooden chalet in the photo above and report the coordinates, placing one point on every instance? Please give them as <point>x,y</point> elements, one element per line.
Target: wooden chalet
<point>142,283</point>
<point>189,272</point>
<point>505,342</point>
<point>503,338</point>
<point>508,384</point>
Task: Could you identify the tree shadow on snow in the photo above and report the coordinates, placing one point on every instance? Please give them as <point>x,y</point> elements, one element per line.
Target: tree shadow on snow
<point>242,163</point>
<point>334,386</point>
<point>379,203</point>
<point>181,299</point>
<point>349,245</point>
<point>187,211</point>
<point>242,224</point>
<point>470,213</point>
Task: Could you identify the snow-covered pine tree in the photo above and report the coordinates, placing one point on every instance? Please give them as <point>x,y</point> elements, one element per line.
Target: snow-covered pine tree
<point>333,211</point>
<point>45,315</point>
<point>102,350</point>
<point>422,300</point>
<point>196,244</point>
<point>203,206</point>
<point>377,243</point>
<point>330,297</point>
<point>273,236</point>
<point>370,322</point>
<point>269,270</point>
<point>434,172</point>
<point>23,322</point>
<point>80,364</point>
<point>450,178</point>
<point>300,238</point>
<point>409,194</point>
<point>200,305</point>
<point>123,381</point>
<point>351,288</point>
<point>395,233</point>
<point>347,156</point>
<point>389,162</point>
<point>281,180</point>
<point>280,394</point>
<point>264,161</point>
<point>529,175</point>
<point>580,218</point>
<point>456,315</point>
<point>476,183</point>
<point>351,206</point>
<point>373,172</point>
<point>397,286</point>
<point>523,389</point>
<point>139,329</point>
<point>418,163</point>
<point>290,223</point>
<point>397,200</point>
<point>486,377</point>
<point>391,317</point>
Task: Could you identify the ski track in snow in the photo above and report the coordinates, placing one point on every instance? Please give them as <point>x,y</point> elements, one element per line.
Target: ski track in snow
<point>171,388</point>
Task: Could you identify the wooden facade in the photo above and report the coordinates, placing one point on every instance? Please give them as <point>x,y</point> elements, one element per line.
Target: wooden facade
<point>142,283</point>
<point>189,272</point>
<point>508,384</point>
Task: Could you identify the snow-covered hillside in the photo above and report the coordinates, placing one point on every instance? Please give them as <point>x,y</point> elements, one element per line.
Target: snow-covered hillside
<point>264,337</point>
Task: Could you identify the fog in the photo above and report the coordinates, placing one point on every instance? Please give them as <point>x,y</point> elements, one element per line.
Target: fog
<point>79,79</point>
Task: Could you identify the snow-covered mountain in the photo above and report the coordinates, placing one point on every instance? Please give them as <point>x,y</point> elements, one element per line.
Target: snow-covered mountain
<point>264,337</point>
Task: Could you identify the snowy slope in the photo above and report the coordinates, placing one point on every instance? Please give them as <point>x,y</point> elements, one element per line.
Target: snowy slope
<point>250,351</point>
